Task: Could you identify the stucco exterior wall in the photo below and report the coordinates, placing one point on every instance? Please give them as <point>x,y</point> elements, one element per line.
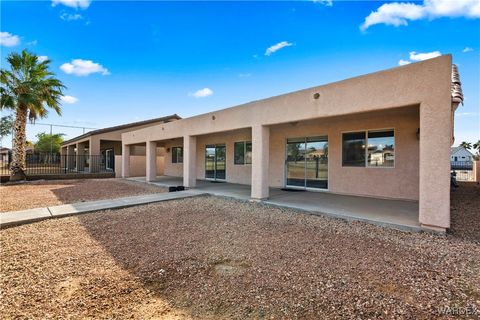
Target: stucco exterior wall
<point>137,166</point>
<point>400,182</point>
<point>172,169</point>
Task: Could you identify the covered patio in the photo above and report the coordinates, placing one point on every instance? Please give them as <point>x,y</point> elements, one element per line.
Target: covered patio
<point>397,214</point>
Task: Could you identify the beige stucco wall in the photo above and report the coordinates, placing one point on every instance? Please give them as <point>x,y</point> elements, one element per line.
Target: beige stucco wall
<point>376,182</point>
<point>137,166</point>
<point>401,182</point>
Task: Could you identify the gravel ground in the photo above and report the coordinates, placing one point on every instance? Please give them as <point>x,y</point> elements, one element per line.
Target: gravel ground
<point>42,193</point>
<point>209,257</point>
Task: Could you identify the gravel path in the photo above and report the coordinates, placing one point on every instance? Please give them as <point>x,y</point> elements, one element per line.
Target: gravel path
<point>209,257</point>
<point>43,193</point>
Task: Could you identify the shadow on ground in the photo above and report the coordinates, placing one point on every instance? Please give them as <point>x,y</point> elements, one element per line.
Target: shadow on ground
<point>213,257</point>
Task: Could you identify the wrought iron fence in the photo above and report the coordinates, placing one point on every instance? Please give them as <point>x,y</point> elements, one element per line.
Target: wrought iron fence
<point>51,163</point>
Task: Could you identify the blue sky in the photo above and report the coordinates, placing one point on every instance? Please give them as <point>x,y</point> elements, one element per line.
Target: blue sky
<point>129,61</point>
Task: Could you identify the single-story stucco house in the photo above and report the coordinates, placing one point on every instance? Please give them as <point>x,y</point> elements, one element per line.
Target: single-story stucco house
<point>382,135</point>
<point>105,144</point>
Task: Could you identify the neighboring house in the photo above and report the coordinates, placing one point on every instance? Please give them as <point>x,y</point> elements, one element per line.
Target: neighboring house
<point>97,148</point>
<point>460,154</point>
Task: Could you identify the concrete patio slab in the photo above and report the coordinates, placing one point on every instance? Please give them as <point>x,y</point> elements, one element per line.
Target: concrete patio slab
<point>32,215</point>
<point>396,214</point>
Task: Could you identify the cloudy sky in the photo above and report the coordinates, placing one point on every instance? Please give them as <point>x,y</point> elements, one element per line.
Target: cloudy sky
<point>129,61</point>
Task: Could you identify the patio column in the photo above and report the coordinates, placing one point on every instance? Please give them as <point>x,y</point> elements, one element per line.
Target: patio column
<point>95,155</point>
<point>260,161</point>
<point>125,160</point>
<point>189,161</point>
<point>151,161</point>
<point>71,157</point>
<point>435,142</point>
<point>80,156</point>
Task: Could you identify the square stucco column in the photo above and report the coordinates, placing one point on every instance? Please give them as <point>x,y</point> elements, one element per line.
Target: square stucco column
<point>80,156</point>
<point>189,161</point>
<point>95,155</point>
<point>435,141</point>
<point>151,161</point>
<point>71,157</point>
<point>125,160</point>
<point>260,162</point>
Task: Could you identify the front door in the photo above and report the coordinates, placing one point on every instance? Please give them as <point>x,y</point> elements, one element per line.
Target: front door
<point>307,163</point>
<point>215,162</point>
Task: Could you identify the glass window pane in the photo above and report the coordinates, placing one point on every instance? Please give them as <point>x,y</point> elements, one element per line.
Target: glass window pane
<point>316,163</point>
<point>381,148</point>
<point>174,155</point>
<point>248,153</point>
<point>239,153</point>
<point>180,154</point>
<point>353,149</point>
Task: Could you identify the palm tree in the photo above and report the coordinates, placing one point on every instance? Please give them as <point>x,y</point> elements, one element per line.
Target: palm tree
<point>466,145</point>
<point>476,147</point>
<point>27,89</point>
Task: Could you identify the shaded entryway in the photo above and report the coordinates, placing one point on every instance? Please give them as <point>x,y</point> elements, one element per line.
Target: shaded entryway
<point>397,214</point>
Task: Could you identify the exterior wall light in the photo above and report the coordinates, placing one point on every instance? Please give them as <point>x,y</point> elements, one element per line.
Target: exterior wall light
<point>316,95</point>
<point>213,118</point>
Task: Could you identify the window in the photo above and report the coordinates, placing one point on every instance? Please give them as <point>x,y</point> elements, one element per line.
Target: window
<point>381,148</point>
<point>375,148</point>
<point>177,155</point>
<point>353,151</point>
<point>242,152</point>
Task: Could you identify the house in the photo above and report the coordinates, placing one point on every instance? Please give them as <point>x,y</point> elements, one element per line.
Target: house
<point>388,135</point>
<point>460,154</point>
<point>96,150</point>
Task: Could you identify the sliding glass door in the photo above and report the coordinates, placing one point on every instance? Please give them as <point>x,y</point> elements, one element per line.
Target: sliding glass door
<point>215,162</point>
<point>307,163</point>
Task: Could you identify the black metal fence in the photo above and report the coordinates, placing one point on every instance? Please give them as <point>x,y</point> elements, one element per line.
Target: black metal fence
<point>47,163</point>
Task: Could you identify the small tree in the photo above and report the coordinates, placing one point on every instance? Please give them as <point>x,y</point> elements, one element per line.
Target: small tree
<point>6,126</point>
<point>49,143</point>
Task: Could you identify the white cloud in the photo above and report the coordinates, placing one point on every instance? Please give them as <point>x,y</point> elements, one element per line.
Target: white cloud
<point>71,17</point>
<point>466,114</point>
<point>277,47</point>
<point>415,56</point>
<point>42,58</point>
<point>77,4</point>
<point>32,43</point>
<point>398,14</point>
<point>327,3</point>
<point>467,49</point>
<point>424,56</point>
<point>403,62</point>
<point>9,40</point>
<point>69,99</point>
<point>81,67</point>
<point>202,93</point>
<point>244,75</point>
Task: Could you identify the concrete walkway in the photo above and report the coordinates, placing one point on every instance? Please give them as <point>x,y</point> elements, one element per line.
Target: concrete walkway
<point>13,218</point>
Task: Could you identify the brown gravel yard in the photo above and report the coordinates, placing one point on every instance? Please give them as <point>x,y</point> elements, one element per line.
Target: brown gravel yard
<point>43,193</point>
<point>209,257</point>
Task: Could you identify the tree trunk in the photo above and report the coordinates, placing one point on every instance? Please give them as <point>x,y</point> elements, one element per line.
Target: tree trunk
<point>17,166</point>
